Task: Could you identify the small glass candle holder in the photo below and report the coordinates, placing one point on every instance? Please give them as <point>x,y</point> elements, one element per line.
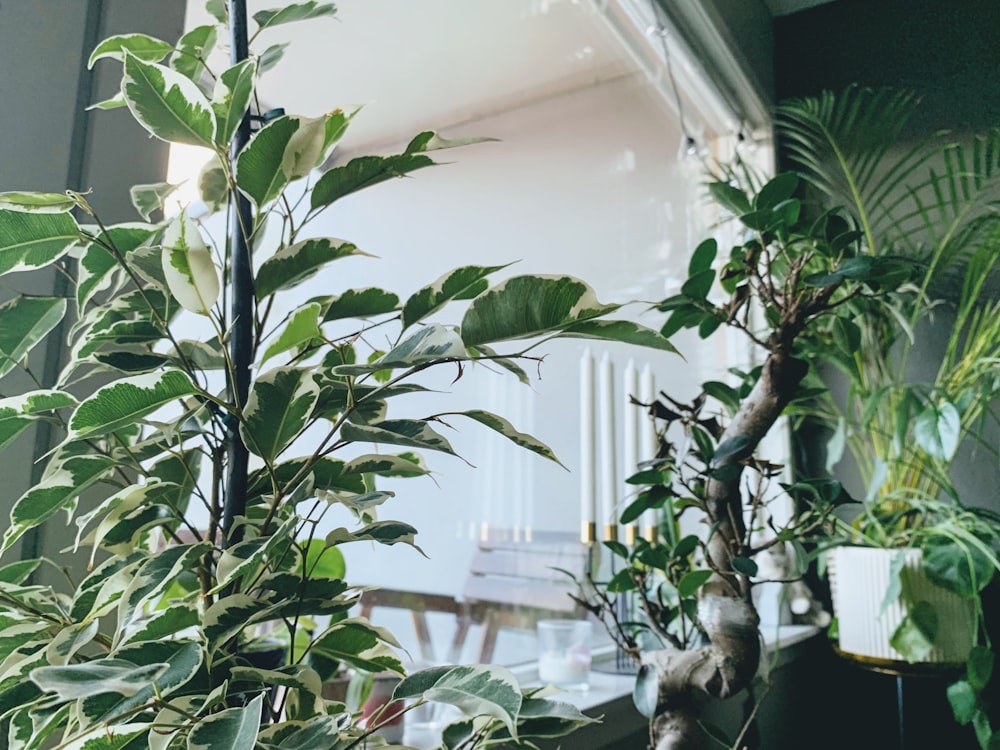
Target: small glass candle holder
<point>564,653</point>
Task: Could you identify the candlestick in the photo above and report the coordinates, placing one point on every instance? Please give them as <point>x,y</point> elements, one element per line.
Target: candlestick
<point>609,481</point>
<point>648,442</point>
<point>630,438</point>
<point>588,466</point>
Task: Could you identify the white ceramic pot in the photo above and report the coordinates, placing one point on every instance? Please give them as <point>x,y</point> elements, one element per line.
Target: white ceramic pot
<point>859,579</point>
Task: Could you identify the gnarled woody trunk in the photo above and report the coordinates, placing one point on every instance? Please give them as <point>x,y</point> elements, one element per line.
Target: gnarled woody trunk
<point>729,661</point>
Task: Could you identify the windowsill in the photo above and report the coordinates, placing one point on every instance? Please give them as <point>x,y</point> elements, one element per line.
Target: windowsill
<point>609,696</point>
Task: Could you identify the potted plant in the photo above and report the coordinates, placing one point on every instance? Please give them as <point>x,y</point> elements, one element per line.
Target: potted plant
<point>196,466</point>
<point>931,549</point>
<point>793,269</point>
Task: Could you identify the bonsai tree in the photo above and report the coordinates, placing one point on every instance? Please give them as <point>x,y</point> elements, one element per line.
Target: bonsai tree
<point>795,271</point>
<point>197,468</point>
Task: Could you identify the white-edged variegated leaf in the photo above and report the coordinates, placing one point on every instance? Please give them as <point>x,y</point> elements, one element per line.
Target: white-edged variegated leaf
<point>192,49</point>
<point>182,659</point>
<point>60,487</point>
<point>431,141</point>
<point>304,149</point>
<point>358,643</point>
<point>305,686</point>
<point>167,104</point>
<point>293,12</point>
<point>230,615</point>
<point>462,283</point>
<point>429,343</point>
<point>188,267</point>
<point>230,729</point>
<point>530,306</point>
<point>126,401</point>
<point>294,264</point>
<point>172,719</point>
<point>34,240</point>
<point>383,532</point>
<point>146,48</point>
<point>116,510</point>
<point>231,98</point>
<point>213,185</point>
<point>248,556</point>
<point>114,102</point>
<point>359,303</point>
<point>478,690</point>
<point>17,633</point>
<point>178,617</point>
<point>99,268</point>
<point>72,681</point>
<point>102,738</point>
<point>413,433</point>
<point>277,410</point>
<point>151,197</point>
<point>42,203</point>
<point>68,641</point>
<point>301,328</point>
<point>505,428</point>
<point>27,320</point>
<point>37,402</point>
<point>363,172</point>
<point>316,733</point>
<point>624,331</point>
<point>388,465</point>
<point>155,575</point>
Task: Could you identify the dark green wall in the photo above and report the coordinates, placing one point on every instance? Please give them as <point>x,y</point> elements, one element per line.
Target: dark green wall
<point>946,50</point>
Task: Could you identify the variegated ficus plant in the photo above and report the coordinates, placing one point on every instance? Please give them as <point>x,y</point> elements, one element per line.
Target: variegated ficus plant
<point>195,469</point>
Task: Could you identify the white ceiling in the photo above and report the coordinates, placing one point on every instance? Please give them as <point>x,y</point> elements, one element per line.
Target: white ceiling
<point>434,63</point>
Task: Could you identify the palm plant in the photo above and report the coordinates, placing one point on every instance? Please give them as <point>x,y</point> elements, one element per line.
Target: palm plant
<point>934,202</point>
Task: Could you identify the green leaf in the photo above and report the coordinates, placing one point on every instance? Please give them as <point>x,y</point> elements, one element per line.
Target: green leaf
<point>646,691</point>
<point>413,433</point>
<point>187,266</point>
<point>703,256</point>
<point>272,56</point>
<point>301,328</point>
<point>167,104</point>
<point>42,203</point>
<point>692,581</point>
<point>229,729</point>
<point>142,46</point>
<point>277,410</point>
<point>727,449</point>
<point>729,197</point>
<point>915,635</point>
<point>744,565</point>
<point>959,568</point>
<point>293,12</point>
<point>74,681</point>
<point>979,667</point>
<point>27,320</point>
<point>115,102</point>
<point>699,285</point>
<point>723,393</point>
<point>431,141</point>
<point>505,428</point>
<point>529,306</point>
<point>621,582</point>
<point>292,265</point>
<point>476,690</point>
<point>359,303</point>
<point>363,172</point>
<point>624,331</point>
<point>258,168</point>
<point>33,240</point>
<point>231,98</point>
<point>126,401</point>
<point>895,588</point>
<point>779,189</point>
<point>192,49</point>
<point>453,285</point>
<point>213,185</point>
<point>323,561</point>
<point>938,429</point>
<point>964,701</point>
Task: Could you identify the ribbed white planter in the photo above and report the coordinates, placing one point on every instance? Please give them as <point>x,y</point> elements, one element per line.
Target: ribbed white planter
<point>859,579</point>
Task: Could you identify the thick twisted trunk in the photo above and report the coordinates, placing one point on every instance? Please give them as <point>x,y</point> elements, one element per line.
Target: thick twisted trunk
<point>729,661</point>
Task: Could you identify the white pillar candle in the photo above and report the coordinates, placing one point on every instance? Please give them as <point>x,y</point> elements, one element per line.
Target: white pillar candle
<point>588,464</point>
<point>630,437</point>
<point>647,434</point>
<point>609,479</point>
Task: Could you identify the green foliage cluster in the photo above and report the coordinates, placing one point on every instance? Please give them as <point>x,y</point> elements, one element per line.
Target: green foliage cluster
<point>152,645</point>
